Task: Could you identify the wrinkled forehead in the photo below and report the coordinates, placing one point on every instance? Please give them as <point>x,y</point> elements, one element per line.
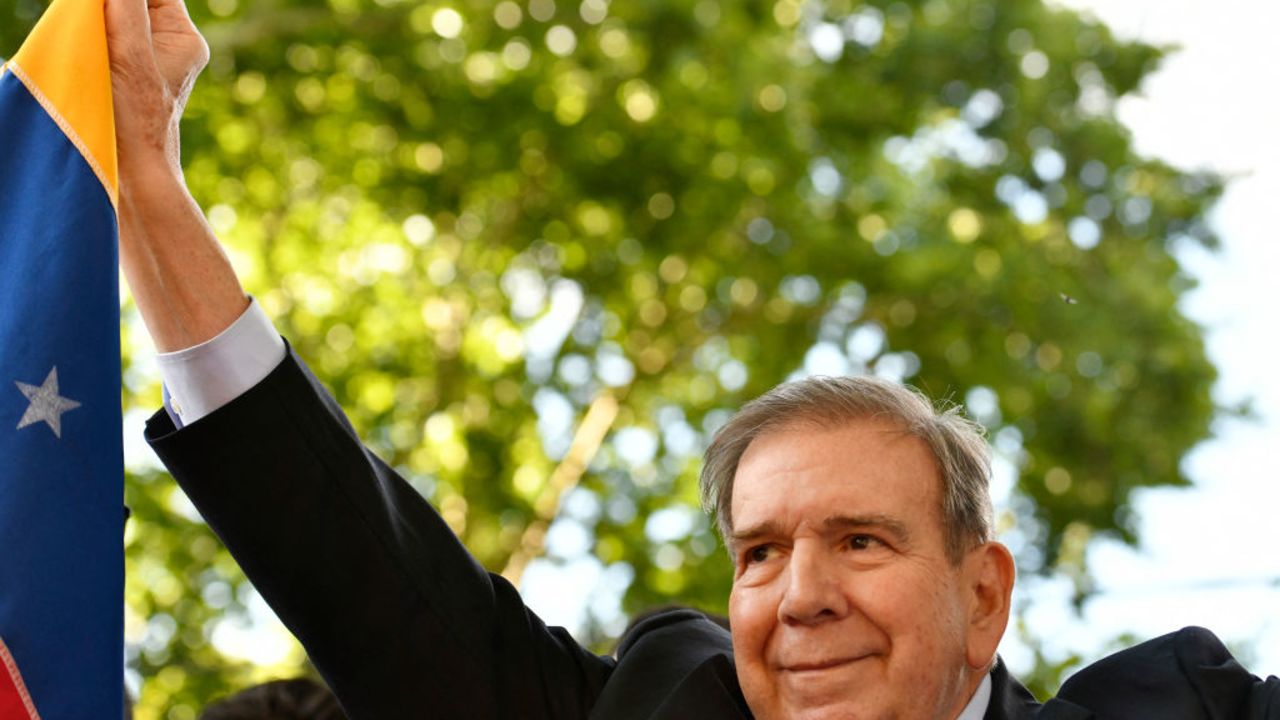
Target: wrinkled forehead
<point>865,465</point>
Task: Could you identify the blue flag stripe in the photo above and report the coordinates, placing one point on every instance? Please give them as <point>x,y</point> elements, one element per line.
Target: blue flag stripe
<point>61,499</point>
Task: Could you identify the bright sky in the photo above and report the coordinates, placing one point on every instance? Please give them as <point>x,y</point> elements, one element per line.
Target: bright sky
<point>1209,554</point>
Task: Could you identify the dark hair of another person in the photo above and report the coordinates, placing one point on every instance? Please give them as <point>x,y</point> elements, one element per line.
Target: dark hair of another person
<point>643,615</point>
<point>297,699</point>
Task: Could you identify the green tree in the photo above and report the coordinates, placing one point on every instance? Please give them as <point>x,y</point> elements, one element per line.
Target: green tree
<point>478,219</point>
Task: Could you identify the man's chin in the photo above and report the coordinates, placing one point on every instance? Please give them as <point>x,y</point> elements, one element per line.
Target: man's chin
<point>843,690</point>
<point>843,709</point>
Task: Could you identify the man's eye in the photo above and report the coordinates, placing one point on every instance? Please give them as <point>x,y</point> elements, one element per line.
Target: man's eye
<point>863,542</point>
<point>758,554</point>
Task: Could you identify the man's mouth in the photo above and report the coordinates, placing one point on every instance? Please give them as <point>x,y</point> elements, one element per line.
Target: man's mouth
<point>819,665</point>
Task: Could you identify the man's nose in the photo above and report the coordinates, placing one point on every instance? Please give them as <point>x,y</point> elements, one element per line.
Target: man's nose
<point>813,594</point>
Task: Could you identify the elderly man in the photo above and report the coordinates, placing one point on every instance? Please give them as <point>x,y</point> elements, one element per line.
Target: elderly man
<point>866,582</point>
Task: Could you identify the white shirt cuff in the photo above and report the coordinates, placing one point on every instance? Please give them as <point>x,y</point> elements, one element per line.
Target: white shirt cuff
<point>203,378</point>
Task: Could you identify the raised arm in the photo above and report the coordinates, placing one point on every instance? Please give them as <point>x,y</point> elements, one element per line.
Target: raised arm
<point>182,281</point>
<point>393,611</point>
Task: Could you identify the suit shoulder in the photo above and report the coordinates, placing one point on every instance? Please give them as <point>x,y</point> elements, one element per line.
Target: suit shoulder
<point>1184,674</point>
<point>673,663</point>
<point>674,627</point>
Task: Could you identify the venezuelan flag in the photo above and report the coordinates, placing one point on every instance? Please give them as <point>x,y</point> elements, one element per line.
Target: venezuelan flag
<point>61,462</point>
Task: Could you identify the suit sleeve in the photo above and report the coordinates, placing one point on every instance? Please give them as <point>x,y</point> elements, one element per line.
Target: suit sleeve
<point>397,616</point>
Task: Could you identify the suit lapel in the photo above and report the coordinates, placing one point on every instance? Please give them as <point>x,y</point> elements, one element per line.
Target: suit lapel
<point>1011,701</point>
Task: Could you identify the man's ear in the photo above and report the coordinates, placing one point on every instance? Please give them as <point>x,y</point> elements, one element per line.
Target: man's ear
<point>989,574</point>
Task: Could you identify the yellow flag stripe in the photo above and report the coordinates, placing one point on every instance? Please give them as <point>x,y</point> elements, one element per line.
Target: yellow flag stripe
<point>65,66</point>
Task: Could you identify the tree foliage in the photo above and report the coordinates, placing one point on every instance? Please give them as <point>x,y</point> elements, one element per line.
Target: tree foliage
<point>474,219</point>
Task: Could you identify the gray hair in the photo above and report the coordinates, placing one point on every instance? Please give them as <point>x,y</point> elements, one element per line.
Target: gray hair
<point>957,443</point>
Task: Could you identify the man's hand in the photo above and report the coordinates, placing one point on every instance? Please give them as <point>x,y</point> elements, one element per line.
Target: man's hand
<point>156,53</point>
<point>185,288</point>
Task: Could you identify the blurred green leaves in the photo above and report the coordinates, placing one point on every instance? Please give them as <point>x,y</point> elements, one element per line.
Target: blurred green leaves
<point>472,218</point>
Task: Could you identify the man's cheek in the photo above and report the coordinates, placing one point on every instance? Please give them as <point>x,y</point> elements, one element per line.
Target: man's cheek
<point>749,608</point>
<point>749,622</point>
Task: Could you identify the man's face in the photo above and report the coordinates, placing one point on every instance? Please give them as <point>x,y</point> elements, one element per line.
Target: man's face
<point>845,604</point>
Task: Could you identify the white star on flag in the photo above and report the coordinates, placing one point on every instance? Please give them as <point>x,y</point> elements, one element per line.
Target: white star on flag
<point>46,403</point>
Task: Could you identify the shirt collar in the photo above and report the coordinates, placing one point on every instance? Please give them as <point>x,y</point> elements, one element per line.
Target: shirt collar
<point>977,706</point>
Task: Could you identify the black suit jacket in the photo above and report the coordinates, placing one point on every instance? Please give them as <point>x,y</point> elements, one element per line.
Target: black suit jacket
<point>403,623</point>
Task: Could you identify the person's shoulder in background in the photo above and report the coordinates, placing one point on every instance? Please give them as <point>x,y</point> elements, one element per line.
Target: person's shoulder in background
<point>1185,674</point>
<point>296,699</point>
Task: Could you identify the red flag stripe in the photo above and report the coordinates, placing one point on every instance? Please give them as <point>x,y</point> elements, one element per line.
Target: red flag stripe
<point>15,701</point>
